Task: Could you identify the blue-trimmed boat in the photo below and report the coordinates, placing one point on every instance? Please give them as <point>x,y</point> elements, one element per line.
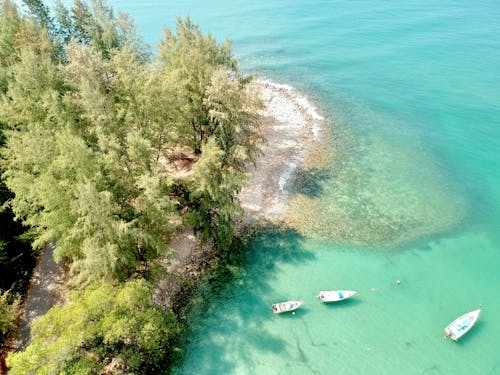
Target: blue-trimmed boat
<point>461,325</point>
<point>335,295</point>
<point>282,307</point>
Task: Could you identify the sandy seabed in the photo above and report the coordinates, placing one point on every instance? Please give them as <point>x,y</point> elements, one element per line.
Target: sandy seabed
<point>370,194</point>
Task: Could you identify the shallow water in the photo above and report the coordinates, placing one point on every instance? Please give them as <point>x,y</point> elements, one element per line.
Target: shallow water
<point>386,329</point>
<point>411,88</point>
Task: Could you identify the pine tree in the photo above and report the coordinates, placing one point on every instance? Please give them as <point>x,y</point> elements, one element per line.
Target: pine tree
<point>10,22</point>
<point>91,140</point>
<point>233,111</point>
<point>213,204</point>
<point>40,12</point>
<point>189,59</point>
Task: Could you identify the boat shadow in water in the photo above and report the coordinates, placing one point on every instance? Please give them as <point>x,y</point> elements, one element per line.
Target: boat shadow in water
<point>347,304</point>
<point>471,335</point>
<point>236,301</point>
<point>299,313</point>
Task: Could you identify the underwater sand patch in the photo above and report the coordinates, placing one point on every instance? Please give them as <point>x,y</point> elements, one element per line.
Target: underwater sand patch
<point>379,193</point>
<point>325,182</point>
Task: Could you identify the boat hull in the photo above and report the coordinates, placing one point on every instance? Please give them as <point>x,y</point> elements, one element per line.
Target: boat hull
<point>335,295</point>
<point>287,306</point>
<point>461,325</point>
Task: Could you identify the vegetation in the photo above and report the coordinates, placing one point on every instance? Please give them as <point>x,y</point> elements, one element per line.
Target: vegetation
<point>9,309</point>
<point>116,328</point>
<point>108,151</point>
<point>16,261</point>
<point>15,268</point>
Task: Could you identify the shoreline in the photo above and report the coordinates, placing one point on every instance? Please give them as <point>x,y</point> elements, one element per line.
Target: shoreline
<point>295,135</point>
<point>293,130</point>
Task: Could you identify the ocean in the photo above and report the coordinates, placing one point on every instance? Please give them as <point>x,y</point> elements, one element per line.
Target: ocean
<point>411,91</point>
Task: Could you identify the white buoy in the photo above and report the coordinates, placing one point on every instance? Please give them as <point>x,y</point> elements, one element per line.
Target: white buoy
<point>398,282</point>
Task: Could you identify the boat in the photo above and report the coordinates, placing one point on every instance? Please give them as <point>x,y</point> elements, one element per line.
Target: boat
<point>335,295</point>
<point>461,325</point>
<point>282,307</point>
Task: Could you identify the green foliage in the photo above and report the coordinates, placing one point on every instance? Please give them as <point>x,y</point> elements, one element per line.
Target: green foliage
<point>100,325</point>
<point>92,140</point>
<point>96,26</point>
<point>40,12</point>
<point>98,29</point>
<point>215,184</point>
<point>83,22</point>
<point>233,108</point>
<point>95,129</point>
<point>63,24</point>
<point>9,310</point>
<point>189,59</point>
<point>80,186</point>
<point>217,118</point>
<point>10,22</point>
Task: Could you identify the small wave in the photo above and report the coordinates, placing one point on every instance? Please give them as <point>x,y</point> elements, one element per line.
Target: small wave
<point>308,107</point>
<point>281,86</point>
<point>316,129</point>
<point>300,102</point>
<point>285,176</point>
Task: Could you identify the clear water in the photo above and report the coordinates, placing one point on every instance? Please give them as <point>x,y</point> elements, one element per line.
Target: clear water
<point>412,89</point>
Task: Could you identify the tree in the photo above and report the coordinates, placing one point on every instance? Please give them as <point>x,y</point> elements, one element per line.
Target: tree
<point>233,113</point>
<point>91,140</point>
<point>40,12</point>
<point>212,198</point>
<point>10,22</point>
<point>102,326</point>
<point>103,33</point>
<point>9,310</point>
<point>217,118</point>
<point>83,23</point>
<point>97,26</point>
<point>189,59</point>
<point>79,157</point>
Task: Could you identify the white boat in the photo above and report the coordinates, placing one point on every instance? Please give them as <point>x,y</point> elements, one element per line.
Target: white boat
<point>461,325</point>
<point>282,307</point>
<point>335,295</point>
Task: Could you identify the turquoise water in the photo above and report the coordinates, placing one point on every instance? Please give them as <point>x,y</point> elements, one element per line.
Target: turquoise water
<point>412,90</point>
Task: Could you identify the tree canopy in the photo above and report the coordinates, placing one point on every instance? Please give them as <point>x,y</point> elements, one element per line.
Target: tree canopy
<point>108,150</point>
<point>102,327</point>
<point>91,140</point>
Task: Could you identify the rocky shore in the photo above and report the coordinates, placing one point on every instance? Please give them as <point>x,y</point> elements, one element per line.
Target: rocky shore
<point>295,136</point>
<point>294,133</point>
